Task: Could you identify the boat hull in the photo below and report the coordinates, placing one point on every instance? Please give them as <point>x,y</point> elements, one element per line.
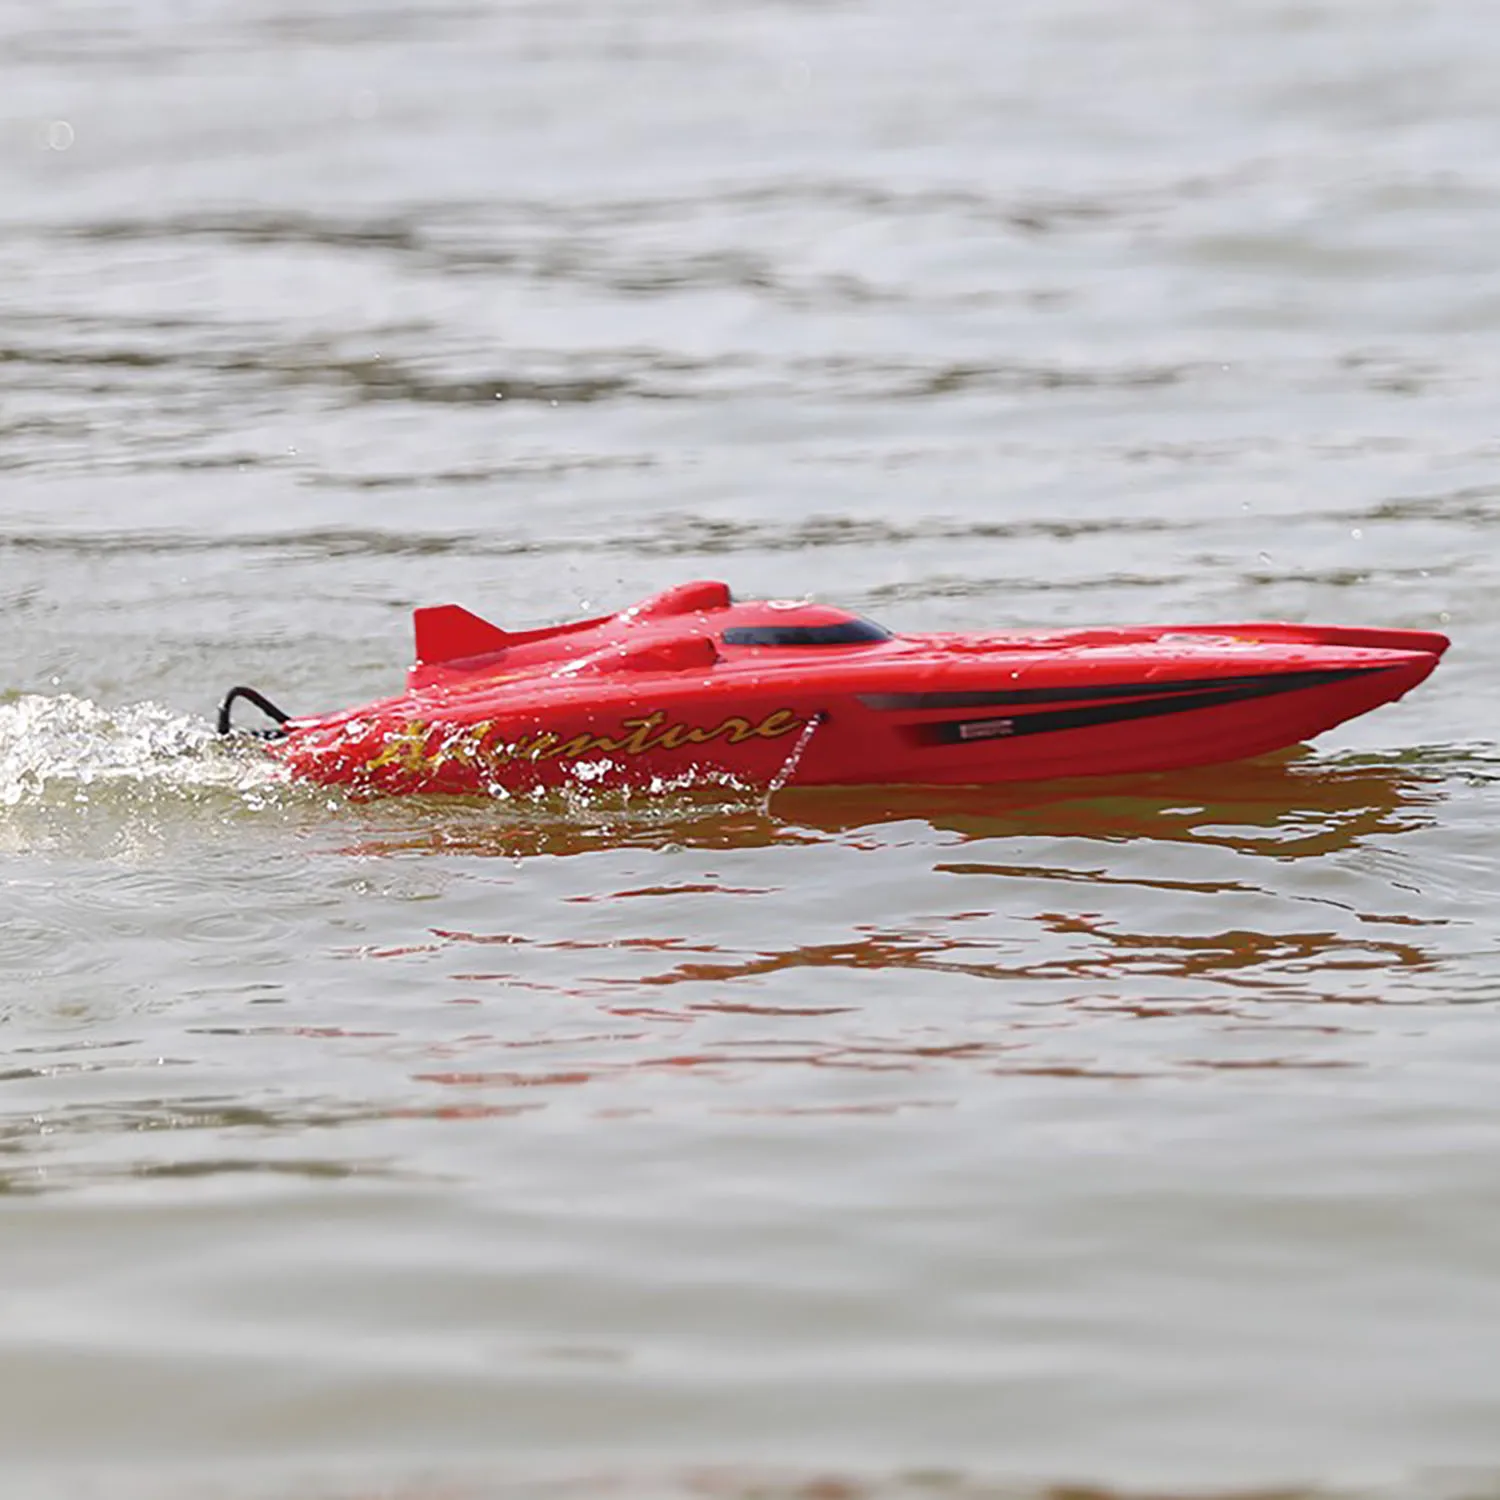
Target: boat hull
<point>942,711</point>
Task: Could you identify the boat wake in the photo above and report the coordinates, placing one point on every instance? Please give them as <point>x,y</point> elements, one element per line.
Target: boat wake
<point>65,750</point>
<point>77,776</point>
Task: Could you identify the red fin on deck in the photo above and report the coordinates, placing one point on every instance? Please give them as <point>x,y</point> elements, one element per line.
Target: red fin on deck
<point>449,632</point>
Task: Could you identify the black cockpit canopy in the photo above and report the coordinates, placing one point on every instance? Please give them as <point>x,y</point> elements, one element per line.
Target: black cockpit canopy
<point>850,632</point>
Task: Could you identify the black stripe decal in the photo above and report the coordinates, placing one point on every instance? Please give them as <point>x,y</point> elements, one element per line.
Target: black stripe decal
<point>1259,682</point>
<point>966,731</point>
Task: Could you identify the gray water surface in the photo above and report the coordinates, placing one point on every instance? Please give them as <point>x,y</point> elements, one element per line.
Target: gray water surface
<point>1139,1135</point>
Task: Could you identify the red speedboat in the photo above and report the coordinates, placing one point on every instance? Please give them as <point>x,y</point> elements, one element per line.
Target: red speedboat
<point>693,684</point>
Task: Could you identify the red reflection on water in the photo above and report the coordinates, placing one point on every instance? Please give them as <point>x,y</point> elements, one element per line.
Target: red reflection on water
<point>742,1008</point>
<point>686,889</point>
<point>1077,1070</point>
<point>1260,1064</point>
<point>1221,954</point>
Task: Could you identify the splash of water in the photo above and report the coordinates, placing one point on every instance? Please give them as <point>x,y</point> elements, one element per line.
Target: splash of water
<point>65,749</point>
<point>793,760</point>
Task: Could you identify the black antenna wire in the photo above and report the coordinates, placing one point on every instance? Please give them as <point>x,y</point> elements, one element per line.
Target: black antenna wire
<point>263,703</point>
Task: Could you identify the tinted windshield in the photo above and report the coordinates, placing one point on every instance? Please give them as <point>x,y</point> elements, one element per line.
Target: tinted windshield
<point>845,633</point>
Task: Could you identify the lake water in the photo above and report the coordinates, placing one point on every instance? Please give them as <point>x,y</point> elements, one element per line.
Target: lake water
<point>1133,1136</point>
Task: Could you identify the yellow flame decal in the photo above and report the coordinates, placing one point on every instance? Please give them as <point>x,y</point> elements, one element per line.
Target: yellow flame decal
<point>420,746</point>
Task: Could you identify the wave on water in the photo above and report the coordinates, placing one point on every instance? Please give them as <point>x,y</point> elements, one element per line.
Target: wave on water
<point>68,750</point>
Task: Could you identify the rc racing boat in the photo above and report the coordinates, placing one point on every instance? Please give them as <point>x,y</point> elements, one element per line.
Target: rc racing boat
<point>693,684</point>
